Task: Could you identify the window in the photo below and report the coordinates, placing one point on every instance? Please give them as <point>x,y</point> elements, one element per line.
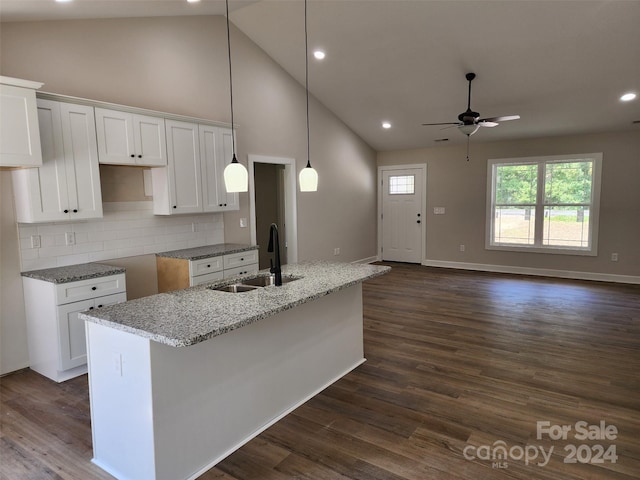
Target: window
<point>544,204</point>
<point>402,185</point>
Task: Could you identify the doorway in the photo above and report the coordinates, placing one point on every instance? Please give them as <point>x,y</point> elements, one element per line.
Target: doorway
<point>272,199</point>
<point>401,205</point>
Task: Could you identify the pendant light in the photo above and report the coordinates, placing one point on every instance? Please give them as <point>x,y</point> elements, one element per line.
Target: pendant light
<point>236,177</point>
<point>308,176</point>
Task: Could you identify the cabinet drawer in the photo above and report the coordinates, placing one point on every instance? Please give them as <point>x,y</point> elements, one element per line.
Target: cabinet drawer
<point>205,265</point>
<point>206,278</point>
<point>240,259</point>
<point>233,272</point>
<point>92,288</point>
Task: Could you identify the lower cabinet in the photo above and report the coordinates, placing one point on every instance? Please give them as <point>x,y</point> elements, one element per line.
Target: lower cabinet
<point>57,344</point>
<point>179,273</point>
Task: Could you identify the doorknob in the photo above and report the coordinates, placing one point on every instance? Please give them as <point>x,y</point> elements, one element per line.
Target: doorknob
<point>417,221</point>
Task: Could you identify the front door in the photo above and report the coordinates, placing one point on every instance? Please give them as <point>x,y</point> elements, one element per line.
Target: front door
<point>402,218</point>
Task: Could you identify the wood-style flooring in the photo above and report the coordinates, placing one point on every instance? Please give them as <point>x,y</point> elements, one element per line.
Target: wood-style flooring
<point>457,362</point>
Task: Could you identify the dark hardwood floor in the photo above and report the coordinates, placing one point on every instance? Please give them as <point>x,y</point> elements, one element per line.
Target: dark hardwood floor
<point>458,364</point>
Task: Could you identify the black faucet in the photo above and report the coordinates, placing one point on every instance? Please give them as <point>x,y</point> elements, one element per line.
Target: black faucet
<point>277,268</point>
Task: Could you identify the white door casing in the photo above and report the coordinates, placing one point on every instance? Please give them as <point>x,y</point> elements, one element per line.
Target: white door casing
<point>402,202</point>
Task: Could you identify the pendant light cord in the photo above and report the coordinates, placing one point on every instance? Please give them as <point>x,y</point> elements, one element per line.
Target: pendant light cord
<point>233,137</point>
<point>306,78</point>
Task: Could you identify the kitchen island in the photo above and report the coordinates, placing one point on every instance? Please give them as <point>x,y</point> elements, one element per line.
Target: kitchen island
<point>180,380</point>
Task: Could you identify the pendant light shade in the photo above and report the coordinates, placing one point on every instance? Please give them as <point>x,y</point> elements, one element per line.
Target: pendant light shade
<point>236,176</point>
<point>308,178</point>
<point>469,130</point>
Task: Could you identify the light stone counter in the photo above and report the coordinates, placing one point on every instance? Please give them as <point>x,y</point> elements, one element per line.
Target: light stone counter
<point>187,317</point>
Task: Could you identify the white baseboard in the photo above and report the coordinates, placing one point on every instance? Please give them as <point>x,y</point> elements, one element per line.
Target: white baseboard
<point>367,260</point>
<point>541,272</point>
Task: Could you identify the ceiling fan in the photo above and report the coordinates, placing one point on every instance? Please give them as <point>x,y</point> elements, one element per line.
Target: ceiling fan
<point>469,121</point>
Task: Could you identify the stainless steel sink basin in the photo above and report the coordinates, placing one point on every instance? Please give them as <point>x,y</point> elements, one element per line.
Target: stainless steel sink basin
<point>267,280</point>
<point>235,288</point>
<point>252,284</point>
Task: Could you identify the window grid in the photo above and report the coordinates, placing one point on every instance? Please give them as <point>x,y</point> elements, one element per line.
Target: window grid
<point>402,185</point>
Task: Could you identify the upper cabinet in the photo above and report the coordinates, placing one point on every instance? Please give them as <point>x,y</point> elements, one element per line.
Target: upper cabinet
<point>67,185</point>
<point>216,150</point>
<point>19,133</point>
<point>130,139</point>
<point>193,180</point>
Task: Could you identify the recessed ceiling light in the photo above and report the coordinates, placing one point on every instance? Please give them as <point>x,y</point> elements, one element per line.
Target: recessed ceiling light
<point>386,125</point>
<point>193,1</point>
<point>319,54</point>
<point>63,1</point>
<point>627,97</point>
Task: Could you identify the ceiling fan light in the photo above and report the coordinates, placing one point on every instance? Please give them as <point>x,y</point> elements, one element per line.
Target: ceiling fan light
<point>469,130</point>
<point>236,177</point>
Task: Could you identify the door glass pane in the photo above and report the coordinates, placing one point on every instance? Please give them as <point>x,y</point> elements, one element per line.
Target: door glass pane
<point>515,225</point>
<point>402,185</point>
<point>566,226</point>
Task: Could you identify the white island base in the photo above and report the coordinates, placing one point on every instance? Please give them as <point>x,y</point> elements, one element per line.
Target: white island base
<point>167,413</point>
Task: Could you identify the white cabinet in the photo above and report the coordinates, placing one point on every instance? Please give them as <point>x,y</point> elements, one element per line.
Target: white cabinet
<point>130,139</point>
<point>67,185</point>
<point>177,187</point>
<point>216,150</point>
<point>57,344</point>
<point>193,180</point>
<point>240,263</point>
<point>19,132</point>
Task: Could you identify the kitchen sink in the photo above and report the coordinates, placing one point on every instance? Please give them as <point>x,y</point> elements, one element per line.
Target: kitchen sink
<point>252,284</point>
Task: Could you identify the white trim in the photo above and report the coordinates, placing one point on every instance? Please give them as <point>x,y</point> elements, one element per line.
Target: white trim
<point>291,209</point>
<point>423,204</point>
<point>372,259</point>
<point>541,272</point>
<point>541,161</point>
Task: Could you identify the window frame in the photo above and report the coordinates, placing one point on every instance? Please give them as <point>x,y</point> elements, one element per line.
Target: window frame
<point>540,206</point>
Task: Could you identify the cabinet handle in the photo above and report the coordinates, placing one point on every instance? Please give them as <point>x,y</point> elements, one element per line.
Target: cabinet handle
<point>66,210</point>
<point>175,206</point>
<point>75,210</point>
<point>133,156</point>
<point>139,156</point>
<point>90,308</point>
<point>99,306</point>
<point>225,204</point>
<point>94,288</point>
<point>242,259</point>
<point>219,204</point>
<point>208,266</point>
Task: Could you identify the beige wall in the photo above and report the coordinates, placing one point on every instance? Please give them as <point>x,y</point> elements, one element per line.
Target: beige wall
<point>460,187</point>
<point>179,65</point>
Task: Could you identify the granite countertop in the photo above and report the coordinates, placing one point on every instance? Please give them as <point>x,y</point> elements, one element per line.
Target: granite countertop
<point>186,317</point>
<point>197,253</point>
<point>74,273</point>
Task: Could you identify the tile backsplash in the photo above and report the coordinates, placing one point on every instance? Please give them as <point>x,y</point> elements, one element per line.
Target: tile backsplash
<point>127,229</point>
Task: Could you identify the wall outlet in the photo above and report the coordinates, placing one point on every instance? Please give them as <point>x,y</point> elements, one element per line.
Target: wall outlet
<point>336,251</point>
<point>243,223</point>
<point>462,247</point>
<point>614,257</point>
<point>70,238</point>
<point>35,241</point>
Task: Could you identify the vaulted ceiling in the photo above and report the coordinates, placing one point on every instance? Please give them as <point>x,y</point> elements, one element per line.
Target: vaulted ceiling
<point>560,65</point>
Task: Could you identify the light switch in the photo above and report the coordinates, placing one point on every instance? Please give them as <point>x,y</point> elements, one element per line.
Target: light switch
<point>243,223</point>
<point>438,210</point>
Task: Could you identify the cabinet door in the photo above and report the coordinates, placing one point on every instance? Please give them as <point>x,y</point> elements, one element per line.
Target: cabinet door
<point>73,344</point>
<point>71,330</point>
<point>42,193</point>
<point>81,157</point>
<point>115,137</point>
<point>150,142</point>
<point>20,145</point>
<point>213,199</point>
<point>183,168</point>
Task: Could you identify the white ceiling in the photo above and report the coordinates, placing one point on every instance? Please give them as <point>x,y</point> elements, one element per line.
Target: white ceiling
<point>560,65</point>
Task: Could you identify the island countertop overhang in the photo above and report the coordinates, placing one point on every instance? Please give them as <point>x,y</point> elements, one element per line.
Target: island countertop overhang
<point>187,317</point>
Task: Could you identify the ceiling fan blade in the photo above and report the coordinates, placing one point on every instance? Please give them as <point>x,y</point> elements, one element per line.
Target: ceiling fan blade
<point>500,119</point>
<point>445,123</point>
<point>484,123</point>
<point>450,126</point>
